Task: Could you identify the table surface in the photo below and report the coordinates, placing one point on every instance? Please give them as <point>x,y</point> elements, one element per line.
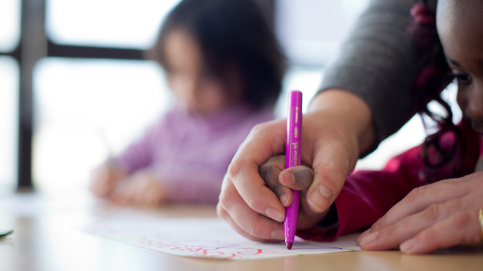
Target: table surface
<point>49,235</point>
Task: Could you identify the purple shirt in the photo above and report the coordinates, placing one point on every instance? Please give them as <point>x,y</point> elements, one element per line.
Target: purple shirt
<point>190,153</point>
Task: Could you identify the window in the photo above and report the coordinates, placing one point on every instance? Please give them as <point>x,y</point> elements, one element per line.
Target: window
<point>106,23</point>
<point>8,122</point>
<point>9,82</point>
<point>87,110</point>
<point>85,107</point>
<point>9,24</point>
<point>311,31</point>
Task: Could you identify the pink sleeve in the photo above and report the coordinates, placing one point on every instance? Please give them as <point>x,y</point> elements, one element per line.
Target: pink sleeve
<point>140,154</point>
<point>197,186</point>
<point>368,195</point>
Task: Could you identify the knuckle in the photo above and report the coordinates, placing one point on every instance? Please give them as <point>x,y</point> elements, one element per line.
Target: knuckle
<point>415,194</point>
<point>224,199</point>
<point>462,220</point>
<point>379,223</point>
<point>433,212</point>
<point>234,169</point>
<point>253,203</point>
<point>220,211</point>
<point>258,230</point>
<point>266,171</point>
<point>259,128</point>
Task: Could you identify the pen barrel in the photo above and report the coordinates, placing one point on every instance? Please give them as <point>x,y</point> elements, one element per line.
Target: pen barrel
<point>293,158</point>
<point>294,130</point>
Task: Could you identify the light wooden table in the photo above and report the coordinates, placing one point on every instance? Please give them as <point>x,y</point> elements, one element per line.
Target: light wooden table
<point>49,236</point>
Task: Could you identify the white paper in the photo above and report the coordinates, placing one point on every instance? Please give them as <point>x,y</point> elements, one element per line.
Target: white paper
<point>207,237</point>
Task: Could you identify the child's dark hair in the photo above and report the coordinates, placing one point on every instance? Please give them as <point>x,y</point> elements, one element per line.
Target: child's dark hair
<point>442,160</point>
<point>231,33</point>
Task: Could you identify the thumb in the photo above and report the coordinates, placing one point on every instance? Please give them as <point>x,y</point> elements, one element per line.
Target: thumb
<point>331,166</point>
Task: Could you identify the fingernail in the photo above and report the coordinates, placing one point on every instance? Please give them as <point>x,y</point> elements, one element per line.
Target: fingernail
<point>362,235</point>
<point>278,234</point>
<point>325,192</point>
<point>291,180</point>
<point>287,179</point>
<point>284,200</point>
<point>275,214</point>
<point>315,206</point>
<point>321,195</point>
<point>408,246</point>
<point>368,238</point>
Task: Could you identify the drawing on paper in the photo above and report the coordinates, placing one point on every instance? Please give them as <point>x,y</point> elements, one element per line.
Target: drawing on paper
<point>209,237</point>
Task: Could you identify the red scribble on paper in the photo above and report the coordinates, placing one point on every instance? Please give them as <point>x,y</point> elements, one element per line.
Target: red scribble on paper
<point>210,252</point>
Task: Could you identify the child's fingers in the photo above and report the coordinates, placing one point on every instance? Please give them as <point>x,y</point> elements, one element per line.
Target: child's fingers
<point>463,228</point>
<point>421,198</point>
<point>123,193</point>
<point>393,235</point>
<point>436,216</point>
<point>270,172</point>
<point>297,178</point>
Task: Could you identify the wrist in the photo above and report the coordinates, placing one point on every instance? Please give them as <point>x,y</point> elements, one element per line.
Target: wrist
<point>350,111</point>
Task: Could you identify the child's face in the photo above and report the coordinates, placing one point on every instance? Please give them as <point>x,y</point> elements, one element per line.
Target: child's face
<point>195,87</point>
<point>460,27</point>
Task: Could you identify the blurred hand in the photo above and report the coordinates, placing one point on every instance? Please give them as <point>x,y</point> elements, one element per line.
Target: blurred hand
<point>255,188</point>
<point>142,188</point>
<point>105,178</point>
<point>439,215</point>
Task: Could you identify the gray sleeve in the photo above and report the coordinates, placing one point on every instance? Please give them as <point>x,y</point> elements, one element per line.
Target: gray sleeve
<point>379,63</point>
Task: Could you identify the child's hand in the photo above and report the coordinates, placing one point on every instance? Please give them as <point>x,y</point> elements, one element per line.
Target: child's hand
<point>104,180</point>
<point>297,178</point>
<point>142,188</point>
<point>438,215</point>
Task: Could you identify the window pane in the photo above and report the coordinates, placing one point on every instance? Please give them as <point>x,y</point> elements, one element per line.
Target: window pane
<point>87,109</point>
<point>9,24</point>
<point>303,78</point>
<point>109,23</point>
<point>8,123</point>
<point>310,31</point>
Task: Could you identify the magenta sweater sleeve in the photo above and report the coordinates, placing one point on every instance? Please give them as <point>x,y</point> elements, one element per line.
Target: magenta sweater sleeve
<point>140,154</point>
<point>368,195</point>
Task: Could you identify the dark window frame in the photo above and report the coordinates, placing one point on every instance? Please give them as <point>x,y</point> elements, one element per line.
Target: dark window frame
<point>34,45</point>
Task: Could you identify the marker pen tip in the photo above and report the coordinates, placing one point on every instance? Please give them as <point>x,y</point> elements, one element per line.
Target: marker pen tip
<point>289,245</point>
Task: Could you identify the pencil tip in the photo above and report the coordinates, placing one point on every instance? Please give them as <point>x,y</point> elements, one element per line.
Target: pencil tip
<point>289,245</point>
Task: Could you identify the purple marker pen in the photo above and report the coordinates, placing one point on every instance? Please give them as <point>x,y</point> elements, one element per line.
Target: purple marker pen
<point>292,159</point>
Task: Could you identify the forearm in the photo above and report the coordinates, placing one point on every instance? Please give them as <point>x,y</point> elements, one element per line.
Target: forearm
<point>379,63</point>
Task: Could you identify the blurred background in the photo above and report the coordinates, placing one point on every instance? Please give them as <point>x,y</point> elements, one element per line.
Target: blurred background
<point>74,87</point>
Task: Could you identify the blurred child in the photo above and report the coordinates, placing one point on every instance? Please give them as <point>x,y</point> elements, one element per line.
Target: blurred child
<point>225,69</point>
